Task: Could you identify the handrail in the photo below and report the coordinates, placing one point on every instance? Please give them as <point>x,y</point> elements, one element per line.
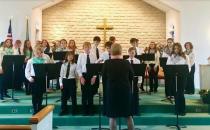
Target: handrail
<point>40,115</point>
<point>15,127</point>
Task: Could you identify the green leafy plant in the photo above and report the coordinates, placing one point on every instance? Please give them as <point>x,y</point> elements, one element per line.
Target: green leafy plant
<point>205,96</point>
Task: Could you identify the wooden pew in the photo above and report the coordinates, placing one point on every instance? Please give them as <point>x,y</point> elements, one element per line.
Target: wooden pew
<point>36,121</point>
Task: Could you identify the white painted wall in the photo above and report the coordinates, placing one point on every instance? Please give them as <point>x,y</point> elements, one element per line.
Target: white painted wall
<point>195,27</point>
<point>194,21</point>
<point>19,9</point>
<point>173,19</point>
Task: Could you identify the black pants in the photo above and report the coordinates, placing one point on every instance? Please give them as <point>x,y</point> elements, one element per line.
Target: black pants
<point>135,96</point>
<point>19,77</point>
<point>27,84</point>
<point>190,86</point>
<point>87,95</point>
<point>69,91</point>
<point>1,86</point>
<point>142,83</point>
<point>38,88</point>
<point>7,76</point>
<point>27,87</point>
<point>168,87</point>
<point>96,85</point>
<point>178,93</point>
<point>153,78</point>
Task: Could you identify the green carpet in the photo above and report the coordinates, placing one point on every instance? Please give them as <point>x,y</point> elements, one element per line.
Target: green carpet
<point>153,112</point>
<point>141,127</point>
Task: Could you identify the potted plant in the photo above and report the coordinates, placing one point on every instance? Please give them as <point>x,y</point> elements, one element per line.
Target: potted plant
<point>205,96</point>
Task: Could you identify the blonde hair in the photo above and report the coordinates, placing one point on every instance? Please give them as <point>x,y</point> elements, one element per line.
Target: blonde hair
<point>38,48</point>
<point>86,44</point>
<point>131,49</point>
<point>116,49</point>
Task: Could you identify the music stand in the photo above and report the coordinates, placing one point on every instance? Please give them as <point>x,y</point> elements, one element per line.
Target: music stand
<point>176,71</point>
<point>125,57</point>
<point>59,55</point>
<point>139,70</point>
<point>47,71</point>
<point>9,64</point>
<point>147,57</point>
<point>163,61</point>
<point>95,69</point>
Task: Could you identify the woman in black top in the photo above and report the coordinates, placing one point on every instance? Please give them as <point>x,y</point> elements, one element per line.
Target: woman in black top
<point>117,75</point>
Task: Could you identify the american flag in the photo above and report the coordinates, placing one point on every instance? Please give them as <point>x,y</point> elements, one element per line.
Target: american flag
<point>9,35</point>
<point>27,29</point>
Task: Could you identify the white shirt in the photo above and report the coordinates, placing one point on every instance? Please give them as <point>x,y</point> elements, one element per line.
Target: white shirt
<point>176,60</point>
<point>165,55</point>
<point>65,49</point>
<point>29,70</point>
<point>59,49</point>
<point>93,51</point>
<point>104,56</point>
<point>46,57</point>
<point>139,51</point>
<point>1,57</point>
<point>81,62</point>
<point>72,72</point>
<point>135,60</point>
<point>16,52</point>
<point>191,58</point>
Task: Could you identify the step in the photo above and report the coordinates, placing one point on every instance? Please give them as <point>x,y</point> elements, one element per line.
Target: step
<point>143,119</point>
<point>27,109</point>
<point>156,127</point>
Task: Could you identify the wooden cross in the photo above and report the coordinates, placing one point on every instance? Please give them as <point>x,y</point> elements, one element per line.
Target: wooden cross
<point>104,27</point>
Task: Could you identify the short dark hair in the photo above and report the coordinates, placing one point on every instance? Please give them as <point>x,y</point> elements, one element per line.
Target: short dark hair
<point>97,38</point>
<point>132,40</point>
<point>170,39</point>
<point>112,38</point>
<point>131,49</point>
<point>108,44</point>
<point>137,40</point>
<point>64,41</point>
<point>190,43</point>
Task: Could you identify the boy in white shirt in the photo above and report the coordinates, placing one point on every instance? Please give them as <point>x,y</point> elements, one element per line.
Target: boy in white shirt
<point>135,100</point>
<point>106,55</point>
<point>87,81</point>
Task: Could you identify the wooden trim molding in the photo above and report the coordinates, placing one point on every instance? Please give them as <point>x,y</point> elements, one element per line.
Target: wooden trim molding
<point>15,127</point>
<point>40,115</point>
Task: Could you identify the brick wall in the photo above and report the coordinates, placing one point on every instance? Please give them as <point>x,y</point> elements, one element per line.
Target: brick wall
<point>77,19</point>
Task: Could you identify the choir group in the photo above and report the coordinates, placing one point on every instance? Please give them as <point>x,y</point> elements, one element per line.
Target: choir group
<point>74,69</point>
